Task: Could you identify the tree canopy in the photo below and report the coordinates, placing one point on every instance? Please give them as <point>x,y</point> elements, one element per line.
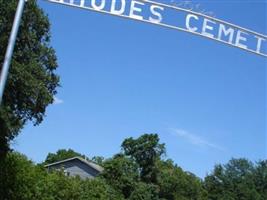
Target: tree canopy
<point>122,178</point>
<point>238,179</point>
<point>146,151</point>
<point>21,179</point>
<point>32,81</point>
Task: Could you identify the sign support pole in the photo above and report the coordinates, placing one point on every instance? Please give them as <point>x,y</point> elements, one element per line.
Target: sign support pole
<point>10,47</point>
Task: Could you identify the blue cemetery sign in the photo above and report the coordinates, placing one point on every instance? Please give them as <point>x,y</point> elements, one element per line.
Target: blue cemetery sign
<point>160,14</point>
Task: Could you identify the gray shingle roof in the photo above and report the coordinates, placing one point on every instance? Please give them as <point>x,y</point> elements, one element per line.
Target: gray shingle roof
<point>89,163</point>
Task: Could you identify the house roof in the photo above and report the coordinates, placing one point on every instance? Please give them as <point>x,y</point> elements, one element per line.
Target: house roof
<point>88,163</point>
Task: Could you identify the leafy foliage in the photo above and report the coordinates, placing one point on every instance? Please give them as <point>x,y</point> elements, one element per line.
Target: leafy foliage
<point>260,178</point>
<point>122,173</point>
<point>98,189</point>
<point>175,184</point>
<point>146,151</point>
<point>98,160</point>
<point>144,191</point>
<point>140,173</point>
<point>20,179</point>
<point>32,80</point>
<point>17,175</point>
<point>239,179</point>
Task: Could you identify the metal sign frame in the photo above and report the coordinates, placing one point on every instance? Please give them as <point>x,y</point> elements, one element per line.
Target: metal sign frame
<point>245,30</point>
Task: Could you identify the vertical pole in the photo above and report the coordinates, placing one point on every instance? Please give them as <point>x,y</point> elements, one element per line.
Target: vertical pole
<point>10,48</point>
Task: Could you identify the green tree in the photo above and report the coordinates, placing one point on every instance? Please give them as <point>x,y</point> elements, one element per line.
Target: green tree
<point>121,173</point>
<point>237,180</point>
<point>260,178</point>
<point>61,154</point>
<point>98,160</point>
<point>144,191</point>
<point>21,179</point>
<point>98,189</point>
<point>18,178</point>
<point>145,151</point>
<point>32,80</point>
<point>176,184</point>
<point>57,186</point>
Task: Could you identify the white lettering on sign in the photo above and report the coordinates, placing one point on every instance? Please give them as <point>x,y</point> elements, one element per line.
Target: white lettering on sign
<point>226,32</point>
<point>188,24</point>
<point>98,4</point>
<point>155,11</point>
<point>207,26</point>
<point>119,11</point>
<point>239,38</point>
<point>196,23</point>
<point>260,39</point>
<point>135,10</point>
<point>82,3</point>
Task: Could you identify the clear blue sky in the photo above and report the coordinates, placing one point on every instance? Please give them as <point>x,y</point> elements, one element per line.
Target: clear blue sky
<point>121,78</point>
